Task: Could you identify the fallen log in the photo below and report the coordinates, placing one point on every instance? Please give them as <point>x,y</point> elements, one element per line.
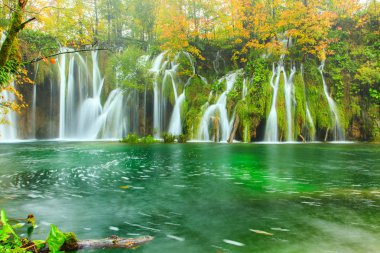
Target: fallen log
<point>111,242</point>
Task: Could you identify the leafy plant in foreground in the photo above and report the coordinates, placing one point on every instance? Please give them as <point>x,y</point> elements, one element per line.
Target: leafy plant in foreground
<point>10,242</point>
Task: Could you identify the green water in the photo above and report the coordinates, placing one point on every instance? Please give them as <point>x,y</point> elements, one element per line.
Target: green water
<point>200,197</point>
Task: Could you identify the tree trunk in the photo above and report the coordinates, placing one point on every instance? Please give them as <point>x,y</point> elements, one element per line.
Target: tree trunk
<point>15,27</point>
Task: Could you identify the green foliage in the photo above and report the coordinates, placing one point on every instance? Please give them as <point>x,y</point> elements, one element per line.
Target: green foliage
<point>182,138</point>
<point>34,43</point>
<point>131,139</point>
<point>55,239</point>
<point>7,234</point>
<point>168,138</point>
<point>129,69</point>
<point>134,139</point>
<point>300,104</point>
<point>71,241</point>
<point>10,242</point>
<point>147,140</point>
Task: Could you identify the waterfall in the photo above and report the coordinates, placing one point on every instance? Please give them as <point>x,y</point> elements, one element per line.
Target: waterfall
<point>289,92</point>
<point>156,69</point>
<point>165,72</point>
<point>34,103</point>
<point>244,91</point>
<point>338,132</point>
<point>271,129</point>
<point>82,115</point>
<point>175,126</point>
<point>62,94</point>
<point>310,120</point>
<point>217,115</point>
<point>8,118</point>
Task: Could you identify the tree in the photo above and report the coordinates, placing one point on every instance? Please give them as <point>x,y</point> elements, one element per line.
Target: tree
<point>9,54</point>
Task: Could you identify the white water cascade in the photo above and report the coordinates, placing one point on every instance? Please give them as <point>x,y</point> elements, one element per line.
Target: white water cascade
<point>34,102</point>
<point>218,113</point>
<point>165,73</point>
<point>289,102</point>
<point>82,115</point>
<point>271,129</point>
<point>158,65</point>
<point>338,132</point>
<point>175,126</point>
<point>8,121</point>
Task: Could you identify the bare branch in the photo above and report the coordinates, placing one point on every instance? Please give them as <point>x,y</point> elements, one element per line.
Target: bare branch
<point>26,22</point>
<point>66,52</point>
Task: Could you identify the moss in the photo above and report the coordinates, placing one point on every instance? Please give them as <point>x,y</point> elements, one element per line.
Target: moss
<point>71,242</point>
<point>300,106</point>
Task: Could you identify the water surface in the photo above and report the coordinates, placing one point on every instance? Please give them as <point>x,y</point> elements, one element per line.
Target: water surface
<point>200,197</point>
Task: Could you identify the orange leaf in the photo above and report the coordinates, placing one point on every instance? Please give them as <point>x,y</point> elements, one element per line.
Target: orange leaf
<point>45,60</point>
<point>52,60</point>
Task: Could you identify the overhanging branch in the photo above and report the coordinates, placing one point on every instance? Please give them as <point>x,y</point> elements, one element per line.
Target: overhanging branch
<point>40,58</point>
<point>26,22</point>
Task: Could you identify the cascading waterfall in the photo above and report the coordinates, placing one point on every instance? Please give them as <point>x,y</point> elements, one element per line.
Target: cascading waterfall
<point>160,107</point>
<point>289,95</point>
<point>34,103</point>
<point>62,94</point>
<point>175,126</point>
<point>156,69</point>
<point>82,115</point>
<point>271,129</point>
<point>338,132</point>
<point>8,121</point>
<point>217,115</point>
<point>86,113</point>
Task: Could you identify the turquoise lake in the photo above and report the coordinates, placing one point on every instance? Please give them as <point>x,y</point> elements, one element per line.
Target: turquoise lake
<point>200,197</point>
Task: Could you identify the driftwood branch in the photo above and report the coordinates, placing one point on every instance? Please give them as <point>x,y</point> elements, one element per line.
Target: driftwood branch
<point>66,52</point>
<point>113,242</point>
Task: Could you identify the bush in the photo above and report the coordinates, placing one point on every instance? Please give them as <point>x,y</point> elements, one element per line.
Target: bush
<point>147,140</point>
<point>168,138</point>
<point>182,138</point>
<point>131,139</point>
<point>134,139</point>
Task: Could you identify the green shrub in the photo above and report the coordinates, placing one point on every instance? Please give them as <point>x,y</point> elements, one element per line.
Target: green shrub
<point>134,139</point>
<point>182,138</point>
<point>147,140</point>
<point>168,138</point>
<point>131,139</point>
